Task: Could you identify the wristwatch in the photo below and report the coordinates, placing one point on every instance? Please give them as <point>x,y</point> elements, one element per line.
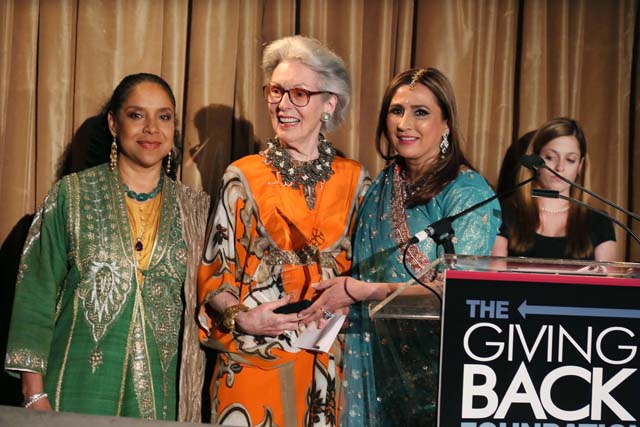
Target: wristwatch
<point>229,316</point>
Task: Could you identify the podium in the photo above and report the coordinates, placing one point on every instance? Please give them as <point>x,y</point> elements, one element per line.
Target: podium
<point>522,342</point>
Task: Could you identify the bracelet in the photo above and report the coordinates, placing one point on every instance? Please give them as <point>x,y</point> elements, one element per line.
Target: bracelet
<point>34,398</point>
<point>229,316</point>
<point>346,291</point>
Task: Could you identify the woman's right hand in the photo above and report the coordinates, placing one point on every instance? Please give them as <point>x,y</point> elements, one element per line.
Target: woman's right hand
<point>261,320</point>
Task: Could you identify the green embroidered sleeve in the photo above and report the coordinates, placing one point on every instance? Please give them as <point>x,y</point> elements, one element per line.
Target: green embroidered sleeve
<point>43,268</point>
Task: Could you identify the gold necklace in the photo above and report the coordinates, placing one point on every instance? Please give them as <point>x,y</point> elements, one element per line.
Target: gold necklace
<point>143,219</point>
<point>139,246</point>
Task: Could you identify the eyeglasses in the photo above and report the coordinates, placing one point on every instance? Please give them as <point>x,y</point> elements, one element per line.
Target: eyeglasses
<point>299,97</point>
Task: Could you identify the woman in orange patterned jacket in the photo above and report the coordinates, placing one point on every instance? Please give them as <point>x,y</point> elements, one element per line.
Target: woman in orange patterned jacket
<point>284,221</point>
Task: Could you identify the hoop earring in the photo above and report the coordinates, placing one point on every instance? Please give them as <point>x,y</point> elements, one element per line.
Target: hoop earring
<point>325,117</point>
<point>113,156</point>
<point>167,166</point>
<point>444,146</point>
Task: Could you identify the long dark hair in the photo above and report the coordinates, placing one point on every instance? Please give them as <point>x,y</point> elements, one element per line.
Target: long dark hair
<point>447,168</point>
<point>120,95</point>
<point>524,218</point>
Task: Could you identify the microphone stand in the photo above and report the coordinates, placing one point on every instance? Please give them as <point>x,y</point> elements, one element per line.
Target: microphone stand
<point>554,194</point>
<point>442,231</point>
<point>535,162</point>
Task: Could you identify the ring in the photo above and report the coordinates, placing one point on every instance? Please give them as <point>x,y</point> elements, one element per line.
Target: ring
<point>326,315</point>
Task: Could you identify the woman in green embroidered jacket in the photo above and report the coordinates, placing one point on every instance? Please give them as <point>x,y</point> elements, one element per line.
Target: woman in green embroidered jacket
<point>102,320</point>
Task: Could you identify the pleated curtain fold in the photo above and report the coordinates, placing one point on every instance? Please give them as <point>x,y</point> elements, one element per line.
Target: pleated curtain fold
<point>513,63</point>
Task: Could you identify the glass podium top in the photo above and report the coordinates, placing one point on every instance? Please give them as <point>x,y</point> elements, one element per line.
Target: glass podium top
<point>415,302</point>
<point>541,266</point>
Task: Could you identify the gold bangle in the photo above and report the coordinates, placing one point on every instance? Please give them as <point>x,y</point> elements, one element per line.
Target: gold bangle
<point>229,316</point>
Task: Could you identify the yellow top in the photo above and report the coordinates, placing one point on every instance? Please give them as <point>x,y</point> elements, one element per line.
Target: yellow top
<point>144,218</point>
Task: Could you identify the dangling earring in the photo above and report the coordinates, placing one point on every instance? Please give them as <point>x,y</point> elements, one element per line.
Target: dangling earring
<point>444,146</point>
<point>167,166</point>
<point>113,156</point>
<point>324,117</point>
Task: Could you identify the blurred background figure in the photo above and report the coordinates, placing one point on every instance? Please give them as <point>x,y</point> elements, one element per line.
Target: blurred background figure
<point>555,228</point>
<point>511,165</point>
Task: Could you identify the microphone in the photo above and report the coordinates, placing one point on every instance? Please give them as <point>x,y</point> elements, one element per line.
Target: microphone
<point>532,161</point>
<point>535,162</point>
<point>554,194</point>
<point>442,229</point>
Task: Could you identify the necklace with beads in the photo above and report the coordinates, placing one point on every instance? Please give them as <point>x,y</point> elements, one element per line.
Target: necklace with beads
<point>297,174</point>
<point>143,197</point>
<point>143,211</point>
<point>144,218</point>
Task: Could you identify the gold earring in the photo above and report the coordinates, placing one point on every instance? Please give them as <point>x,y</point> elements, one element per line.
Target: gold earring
<point>167,166</point>
<point>113,157</point>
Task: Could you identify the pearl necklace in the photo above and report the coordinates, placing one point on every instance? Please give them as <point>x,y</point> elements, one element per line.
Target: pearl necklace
<point>554,211</point>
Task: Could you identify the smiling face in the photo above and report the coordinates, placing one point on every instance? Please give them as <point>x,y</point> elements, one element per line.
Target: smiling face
<point>415,126</point>
<point>561,154</point>
<point>145,126</point>
<point>295,126</point>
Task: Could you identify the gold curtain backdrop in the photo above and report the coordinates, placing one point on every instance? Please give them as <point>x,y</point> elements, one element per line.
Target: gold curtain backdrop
<point>513,63</point>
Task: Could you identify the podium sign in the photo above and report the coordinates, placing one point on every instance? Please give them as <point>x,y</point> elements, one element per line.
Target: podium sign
<point>543,350</point>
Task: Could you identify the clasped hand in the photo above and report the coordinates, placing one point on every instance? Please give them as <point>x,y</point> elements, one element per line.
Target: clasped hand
<point>261,320</point>
<point>335,296</point>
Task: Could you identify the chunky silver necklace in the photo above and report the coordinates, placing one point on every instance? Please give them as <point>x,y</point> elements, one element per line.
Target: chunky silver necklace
<point>298,174</point>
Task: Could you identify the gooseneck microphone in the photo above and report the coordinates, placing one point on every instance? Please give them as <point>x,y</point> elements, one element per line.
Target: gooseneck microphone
<point>535,162</point>
<point>554,194</point>
<point>532,161</point>
<point>441,231</point>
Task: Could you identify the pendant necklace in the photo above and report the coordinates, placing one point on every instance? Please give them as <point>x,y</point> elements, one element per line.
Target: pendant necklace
<point>143,197</point>
<point>139,246</point>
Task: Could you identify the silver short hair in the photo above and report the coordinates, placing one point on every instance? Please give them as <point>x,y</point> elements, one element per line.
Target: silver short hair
<point>334,76</point>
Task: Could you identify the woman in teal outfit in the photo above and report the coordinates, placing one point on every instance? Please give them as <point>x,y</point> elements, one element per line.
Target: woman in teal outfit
<point>428,179</point>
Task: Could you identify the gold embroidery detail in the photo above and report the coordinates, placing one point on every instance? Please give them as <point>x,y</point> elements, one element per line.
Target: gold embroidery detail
<point>142,379</point>
<point>74,319</point>
<point>95,359</point>
<point>49,203</point>
<point>301,257</point>
<point>25,358</point>
<point>401,234</point>
<point>101,259</point>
